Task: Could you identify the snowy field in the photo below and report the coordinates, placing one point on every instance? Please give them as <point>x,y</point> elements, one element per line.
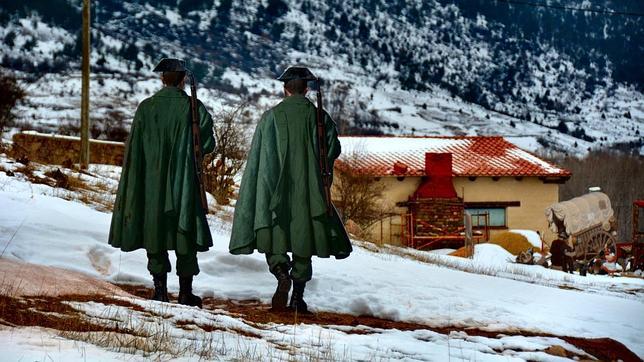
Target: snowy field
<point>488,293</point>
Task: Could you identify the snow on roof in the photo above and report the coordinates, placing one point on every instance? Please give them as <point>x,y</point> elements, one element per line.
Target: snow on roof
<point>471,156</point>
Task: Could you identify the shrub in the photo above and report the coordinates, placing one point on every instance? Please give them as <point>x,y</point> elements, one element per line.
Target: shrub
<point>112,127</point>
<point>221,166</point>
<point>357,195</point>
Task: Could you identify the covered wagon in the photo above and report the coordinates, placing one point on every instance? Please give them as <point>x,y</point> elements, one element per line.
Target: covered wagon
<point>586,223</point>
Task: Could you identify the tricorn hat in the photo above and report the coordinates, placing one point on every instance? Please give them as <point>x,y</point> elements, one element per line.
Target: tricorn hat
<point>170,65</point>
<point>296,73</point>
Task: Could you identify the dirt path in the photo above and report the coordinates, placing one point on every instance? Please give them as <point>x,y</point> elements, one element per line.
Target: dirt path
<point>256,313</point>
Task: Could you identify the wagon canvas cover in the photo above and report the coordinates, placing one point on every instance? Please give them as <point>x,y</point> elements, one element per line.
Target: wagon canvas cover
<point>581,213</point>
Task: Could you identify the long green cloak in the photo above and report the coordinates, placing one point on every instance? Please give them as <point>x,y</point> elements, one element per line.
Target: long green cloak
<point>157,204</point>
<point>281,204</point>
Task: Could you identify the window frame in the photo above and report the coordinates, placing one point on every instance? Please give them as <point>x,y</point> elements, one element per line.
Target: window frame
<point>481,210</point>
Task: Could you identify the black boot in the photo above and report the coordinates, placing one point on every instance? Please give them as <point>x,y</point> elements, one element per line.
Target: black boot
<point>278,304</point>
<point>297,298</point>
<point>160,287</point>
<point>185,293</point>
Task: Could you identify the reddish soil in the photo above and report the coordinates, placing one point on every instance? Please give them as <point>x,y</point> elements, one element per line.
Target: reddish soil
<point>52,312</point>
<point>605,349</point>
<point>256,313</point>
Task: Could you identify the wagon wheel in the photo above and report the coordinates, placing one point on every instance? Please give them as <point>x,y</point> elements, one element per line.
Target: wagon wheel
<point>600,241</point>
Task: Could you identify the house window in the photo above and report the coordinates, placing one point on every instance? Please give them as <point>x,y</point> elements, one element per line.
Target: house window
<point>496,216</point>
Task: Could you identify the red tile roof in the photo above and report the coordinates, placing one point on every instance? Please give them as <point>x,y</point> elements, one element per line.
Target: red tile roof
<point>472,156</point>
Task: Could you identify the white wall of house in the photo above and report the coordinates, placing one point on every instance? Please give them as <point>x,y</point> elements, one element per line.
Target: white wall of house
<point>533,195</point>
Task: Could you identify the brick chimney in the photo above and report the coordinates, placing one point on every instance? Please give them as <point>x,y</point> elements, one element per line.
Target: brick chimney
<point>438,168</point>
<point>436,211</point>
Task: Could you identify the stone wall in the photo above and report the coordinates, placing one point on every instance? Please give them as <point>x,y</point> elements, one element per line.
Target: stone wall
<point>59,150</point>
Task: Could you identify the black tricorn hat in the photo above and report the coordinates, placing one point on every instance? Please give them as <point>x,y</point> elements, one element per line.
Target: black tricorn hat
<point>296,73</point>
<point>170,65</point>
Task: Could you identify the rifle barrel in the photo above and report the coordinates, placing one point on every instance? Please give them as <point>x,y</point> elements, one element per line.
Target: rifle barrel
<point>196,142</point>
<point>323,152</point>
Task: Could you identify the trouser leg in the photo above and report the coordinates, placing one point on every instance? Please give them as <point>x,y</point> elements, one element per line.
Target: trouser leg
<point>158,263</point>
<point>187,264</point>
<point>302,270</point>
<point>276,260</point>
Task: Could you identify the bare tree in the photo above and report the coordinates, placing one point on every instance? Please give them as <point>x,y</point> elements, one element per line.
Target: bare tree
<point>350,110</point>
<point>111,127</point>
<point>338,106</point>
<point>222,165</point>
<point>357,195</point>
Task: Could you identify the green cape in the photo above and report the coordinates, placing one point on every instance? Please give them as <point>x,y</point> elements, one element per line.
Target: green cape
<point>281,204</point>
<point>157,204</point>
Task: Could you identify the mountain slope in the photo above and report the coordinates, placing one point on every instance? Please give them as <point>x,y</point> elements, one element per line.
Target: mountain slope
<point>563,78</point>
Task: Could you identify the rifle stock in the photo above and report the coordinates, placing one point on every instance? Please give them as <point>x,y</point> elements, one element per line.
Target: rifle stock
<point>197,155</point>
<point>323,151</point>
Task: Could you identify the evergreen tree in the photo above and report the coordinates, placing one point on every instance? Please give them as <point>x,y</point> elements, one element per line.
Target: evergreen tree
<point>10,94</point>
<point>10,38</point>
<point>130,52</point>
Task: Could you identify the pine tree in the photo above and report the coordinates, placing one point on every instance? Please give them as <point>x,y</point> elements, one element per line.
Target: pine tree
<point>10,38</point>
<point>10,95</point>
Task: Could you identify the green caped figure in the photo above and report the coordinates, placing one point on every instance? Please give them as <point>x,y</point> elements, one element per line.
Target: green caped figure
<point>157,205</point>
<point>281,206</point>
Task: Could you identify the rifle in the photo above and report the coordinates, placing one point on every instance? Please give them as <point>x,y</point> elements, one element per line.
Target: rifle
<point>323,151</point>
<point>197,156</point>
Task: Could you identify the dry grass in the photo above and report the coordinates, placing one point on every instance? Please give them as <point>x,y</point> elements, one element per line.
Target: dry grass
<point>512,242</point>
<point>88,190</point>
<point>101,201</point>
<point>54,312</point>
<point>224,213</point>
<point>156,339</point>
<point>113,331</point>
<point>27,169</point>
<point>510,271</point>
<point>66,181</point>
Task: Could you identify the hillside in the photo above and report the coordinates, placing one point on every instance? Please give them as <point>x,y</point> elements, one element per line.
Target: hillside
<point>550,79</point>
<point>66,294</point>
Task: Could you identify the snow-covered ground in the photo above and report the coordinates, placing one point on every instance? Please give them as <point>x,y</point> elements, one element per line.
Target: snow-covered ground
<point>277,343</point>
<point>487,292</point>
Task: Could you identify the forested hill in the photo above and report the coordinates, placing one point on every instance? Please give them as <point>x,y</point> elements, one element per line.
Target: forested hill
<point>577,74</point>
